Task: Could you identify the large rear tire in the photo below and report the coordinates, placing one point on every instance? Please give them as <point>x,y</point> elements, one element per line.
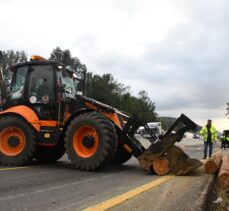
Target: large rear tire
<point>49,154</point>
<point>121,156</point>
<point>17,141</point>
<point>90,141</point>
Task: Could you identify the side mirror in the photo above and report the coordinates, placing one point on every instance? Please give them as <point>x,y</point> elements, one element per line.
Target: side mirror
<point>68,90</point>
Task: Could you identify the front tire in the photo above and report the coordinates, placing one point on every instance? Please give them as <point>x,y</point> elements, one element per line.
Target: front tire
<point>17,141</point>
<point>121,156</point>
<point>90,141</point>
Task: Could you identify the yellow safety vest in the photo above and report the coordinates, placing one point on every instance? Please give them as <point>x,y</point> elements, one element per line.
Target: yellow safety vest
<point>204,133</point>
<point>224,138</point>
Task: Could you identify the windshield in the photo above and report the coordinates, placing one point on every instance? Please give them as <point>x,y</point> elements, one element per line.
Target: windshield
<point>41,86</point>
<point>18,82</point>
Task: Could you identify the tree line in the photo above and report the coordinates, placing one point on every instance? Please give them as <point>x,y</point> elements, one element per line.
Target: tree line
<point>103,88</point>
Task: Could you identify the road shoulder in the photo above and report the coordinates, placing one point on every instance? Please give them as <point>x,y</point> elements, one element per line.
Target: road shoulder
<point>180,193</point>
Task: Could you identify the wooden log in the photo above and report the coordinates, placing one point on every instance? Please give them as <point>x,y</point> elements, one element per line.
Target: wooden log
<point>177,163</point>
<point>180,163</point>
<point>161,166</point>
<point>213,164</point>
<point>156,150</point>
<point>223,177</point>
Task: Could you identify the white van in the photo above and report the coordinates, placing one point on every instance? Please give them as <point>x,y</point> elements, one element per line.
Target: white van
<point>155,127</point>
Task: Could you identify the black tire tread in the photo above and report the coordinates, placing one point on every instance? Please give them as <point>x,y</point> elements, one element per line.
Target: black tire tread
<point>22,158</point>
<point>121,156</point>
<point>110,145</point>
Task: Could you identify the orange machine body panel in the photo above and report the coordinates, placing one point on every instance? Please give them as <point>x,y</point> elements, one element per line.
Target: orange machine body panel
<point>30,116</point>
<point>26,113</point>
<point>110,115</point>
<point>48,123</point>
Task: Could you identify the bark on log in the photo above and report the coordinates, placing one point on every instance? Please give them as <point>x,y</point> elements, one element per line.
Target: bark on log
<point>161,166</point>
<point>213,164</point>
<point>223,177</point>
<point>179,162</point>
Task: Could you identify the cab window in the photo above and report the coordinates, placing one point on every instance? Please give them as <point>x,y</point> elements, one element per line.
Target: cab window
<point>18,83</point>
<point>67,82</point>
<point>41,87</point>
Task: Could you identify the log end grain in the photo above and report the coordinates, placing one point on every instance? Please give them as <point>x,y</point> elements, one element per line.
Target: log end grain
<point>210,167</point>
<point>161,166</point>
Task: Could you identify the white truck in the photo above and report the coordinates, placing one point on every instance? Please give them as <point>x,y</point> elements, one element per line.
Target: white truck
<point>155,127</point>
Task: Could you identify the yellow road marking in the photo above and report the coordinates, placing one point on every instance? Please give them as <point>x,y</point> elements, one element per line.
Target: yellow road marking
<point>15,168</point>
<point>128,195</point>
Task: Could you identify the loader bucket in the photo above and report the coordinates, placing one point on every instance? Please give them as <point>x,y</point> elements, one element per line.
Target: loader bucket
<point>179,163</point>
<point>163,156</point>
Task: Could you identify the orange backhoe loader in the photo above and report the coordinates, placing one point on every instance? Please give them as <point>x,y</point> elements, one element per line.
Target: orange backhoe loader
<point>43,116</point>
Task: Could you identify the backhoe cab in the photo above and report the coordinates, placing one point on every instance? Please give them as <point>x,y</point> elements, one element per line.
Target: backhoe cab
<point>43,117</point>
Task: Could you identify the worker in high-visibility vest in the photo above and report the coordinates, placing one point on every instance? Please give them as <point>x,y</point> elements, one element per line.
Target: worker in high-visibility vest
<point>227,141</point>
<point>223,141</point>
<point>209,134</point>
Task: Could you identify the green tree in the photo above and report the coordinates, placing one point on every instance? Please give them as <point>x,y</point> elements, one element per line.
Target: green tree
<point>104,88</point>
<point>107,90</point>
<point>73,63</point>
<point>10,57</point>
<point>63,56</point>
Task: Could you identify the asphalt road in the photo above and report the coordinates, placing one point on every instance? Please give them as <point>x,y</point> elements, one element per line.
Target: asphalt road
<point>61,187</point>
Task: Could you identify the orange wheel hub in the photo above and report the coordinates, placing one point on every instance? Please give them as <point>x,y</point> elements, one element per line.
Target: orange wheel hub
<point>85,141</point>
<point>12,141</point>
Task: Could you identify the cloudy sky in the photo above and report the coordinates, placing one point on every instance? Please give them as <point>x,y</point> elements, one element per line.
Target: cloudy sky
<point>176,50</point>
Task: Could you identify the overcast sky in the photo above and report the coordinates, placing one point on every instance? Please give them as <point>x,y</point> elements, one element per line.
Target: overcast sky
<point>176,50</point>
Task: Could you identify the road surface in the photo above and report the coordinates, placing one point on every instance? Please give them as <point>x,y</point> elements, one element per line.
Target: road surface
<point>61,187</point>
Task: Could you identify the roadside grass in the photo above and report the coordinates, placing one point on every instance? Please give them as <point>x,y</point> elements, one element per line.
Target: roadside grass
<point>215,193</point>
<point>224,195</point>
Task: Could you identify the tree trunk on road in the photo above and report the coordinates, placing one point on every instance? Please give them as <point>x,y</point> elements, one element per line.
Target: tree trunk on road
<point>161,166</point>
<point>213,164</point>
<point>223,177</point>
